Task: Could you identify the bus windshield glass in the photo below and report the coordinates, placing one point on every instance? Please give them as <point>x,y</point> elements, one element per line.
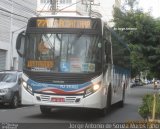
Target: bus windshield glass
<point>68,53</point>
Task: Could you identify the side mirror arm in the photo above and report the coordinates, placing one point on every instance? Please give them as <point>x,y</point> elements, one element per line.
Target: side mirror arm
<point>19,43</point>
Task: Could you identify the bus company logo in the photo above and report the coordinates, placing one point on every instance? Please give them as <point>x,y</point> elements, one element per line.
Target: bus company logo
<point>57,81</point>
<point>69,86</point>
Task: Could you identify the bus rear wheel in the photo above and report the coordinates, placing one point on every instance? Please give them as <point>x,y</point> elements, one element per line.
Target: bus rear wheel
<point>45,109</point>
<point>121,103</point>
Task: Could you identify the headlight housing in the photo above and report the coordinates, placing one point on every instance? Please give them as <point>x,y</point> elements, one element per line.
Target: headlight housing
<point>4,91</point>
<point>92,89</point>
<point>27,87</point>
<point>24,84</point>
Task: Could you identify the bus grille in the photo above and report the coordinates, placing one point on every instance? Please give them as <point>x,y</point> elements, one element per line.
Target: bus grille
<point>68,99</point>
<point>45,98</point>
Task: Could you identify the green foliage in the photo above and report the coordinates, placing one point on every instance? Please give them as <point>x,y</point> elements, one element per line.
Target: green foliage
<point>145,110</point>
<point>143,40</point>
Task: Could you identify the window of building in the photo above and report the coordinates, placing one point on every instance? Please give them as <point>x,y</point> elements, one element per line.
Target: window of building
<point>65,1</point>
<point>45,1</point>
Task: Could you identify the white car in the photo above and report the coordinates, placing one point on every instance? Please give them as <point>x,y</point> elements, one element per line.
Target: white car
<point>10,88</point>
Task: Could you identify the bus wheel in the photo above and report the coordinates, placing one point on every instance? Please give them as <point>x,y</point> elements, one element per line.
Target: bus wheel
<point>45,110</point>
<point>104,111</point>
<point>121,103</point>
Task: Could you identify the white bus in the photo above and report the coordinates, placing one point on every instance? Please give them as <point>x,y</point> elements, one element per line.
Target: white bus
<point>72,62</point>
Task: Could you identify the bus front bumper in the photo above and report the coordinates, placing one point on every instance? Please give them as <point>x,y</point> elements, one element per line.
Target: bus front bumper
<point>92,101</point>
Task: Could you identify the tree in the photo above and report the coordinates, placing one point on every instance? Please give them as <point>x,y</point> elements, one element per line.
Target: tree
<point>141,31</point>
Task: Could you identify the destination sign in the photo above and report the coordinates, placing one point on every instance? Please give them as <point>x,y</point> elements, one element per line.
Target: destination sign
<point>44,64</point>
<point>63,23</point>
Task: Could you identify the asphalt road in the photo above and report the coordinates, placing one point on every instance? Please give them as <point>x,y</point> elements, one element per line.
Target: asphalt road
<point>32,114</point>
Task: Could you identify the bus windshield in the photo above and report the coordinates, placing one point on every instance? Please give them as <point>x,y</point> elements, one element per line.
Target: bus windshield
<point>71,53</point>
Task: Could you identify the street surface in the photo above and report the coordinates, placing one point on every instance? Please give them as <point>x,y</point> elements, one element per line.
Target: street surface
<point>32,114</point>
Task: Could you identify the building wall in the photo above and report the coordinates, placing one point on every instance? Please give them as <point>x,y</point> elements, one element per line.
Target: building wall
<point>105,8</point>
<point>4,35</point>
<point>10,25</point>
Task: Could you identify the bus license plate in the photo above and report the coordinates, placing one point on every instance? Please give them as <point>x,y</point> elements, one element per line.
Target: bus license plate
<point>57,100</point>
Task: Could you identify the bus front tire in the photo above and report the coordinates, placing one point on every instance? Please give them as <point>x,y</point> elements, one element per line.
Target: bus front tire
<point>104,111</point>
<point>45,110</point>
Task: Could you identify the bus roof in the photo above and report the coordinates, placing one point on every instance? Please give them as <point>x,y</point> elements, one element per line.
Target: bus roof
<point>63,16</point>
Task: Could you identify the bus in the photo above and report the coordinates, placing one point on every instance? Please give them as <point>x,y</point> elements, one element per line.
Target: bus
<point>74,62</point>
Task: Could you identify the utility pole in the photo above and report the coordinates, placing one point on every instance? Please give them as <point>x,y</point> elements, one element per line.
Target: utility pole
<point>91,3</point>
<point>90,7</point>
<point>11,37</point>
<point>53,8</point>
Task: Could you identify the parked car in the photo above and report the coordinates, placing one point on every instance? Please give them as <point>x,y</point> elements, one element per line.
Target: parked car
<point>10,88</point>
<point>158,81</point>
<point>132,84</point>
<point>138,82</point>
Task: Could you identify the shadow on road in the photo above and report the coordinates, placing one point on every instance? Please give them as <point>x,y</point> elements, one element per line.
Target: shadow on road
<point>8,107</point>
<point>80,115</point>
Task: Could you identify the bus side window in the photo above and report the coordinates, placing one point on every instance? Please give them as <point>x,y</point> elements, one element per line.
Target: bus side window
<point>107,41</point>
<point>108,52</point>
<point>106,55</point>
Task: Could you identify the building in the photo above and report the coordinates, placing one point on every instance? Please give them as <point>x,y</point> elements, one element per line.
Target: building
<point>100,8</point>
<point>103,8</point>
<point>63,7</point>
<point>14,15</point>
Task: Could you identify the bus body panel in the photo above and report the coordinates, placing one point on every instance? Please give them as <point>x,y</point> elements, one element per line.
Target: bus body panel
<point>120,79</point>
<point>92,101</point>
<point>27,98</point>
<point>96,100</point>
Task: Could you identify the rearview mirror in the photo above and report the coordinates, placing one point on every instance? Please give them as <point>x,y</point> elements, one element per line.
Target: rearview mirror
<point>20,44</point>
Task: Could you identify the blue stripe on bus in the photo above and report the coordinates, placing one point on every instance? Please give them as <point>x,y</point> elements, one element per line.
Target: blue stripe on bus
<point>64,87</point>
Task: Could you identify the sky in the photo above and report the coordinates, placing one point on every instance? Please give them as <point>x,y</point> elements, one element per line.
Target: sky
<point>152,5</point>
<point>146,5</point>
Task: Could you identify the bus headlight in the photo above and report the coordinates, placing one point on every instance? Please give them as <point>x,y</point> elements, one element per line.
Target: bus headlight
<point>96,87</point>
<point>24,84</point>
<point>27,87</point>
<point>92,89</point>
